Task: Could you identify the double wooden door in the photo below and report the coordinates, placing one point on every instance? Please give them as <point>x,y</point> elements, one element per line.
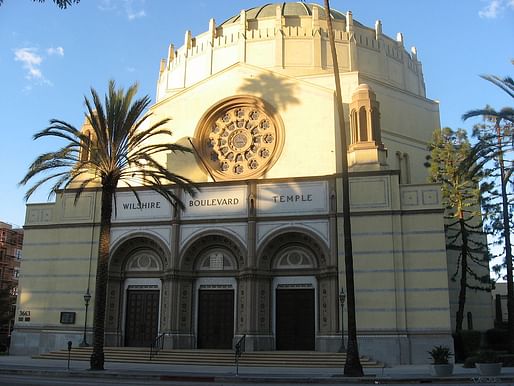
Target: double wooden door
<point>295,323</point>
<point>215,319</point>
<point>142,317</point>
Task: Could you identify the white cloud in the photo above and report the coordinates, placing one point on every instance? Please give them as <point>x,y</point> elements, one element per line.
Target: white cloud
<point>106,5</point>
<point>30,61</point>
<point>133,9</point>
<point>495,8</point>
<point>55,51</point>
<point>135,15</point>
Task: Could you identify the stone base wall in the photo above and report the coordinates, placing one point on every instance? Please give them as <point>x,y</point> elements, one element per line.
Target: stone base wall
<point>402,349</point>
<point>34,342</point>
<point>392,350</point>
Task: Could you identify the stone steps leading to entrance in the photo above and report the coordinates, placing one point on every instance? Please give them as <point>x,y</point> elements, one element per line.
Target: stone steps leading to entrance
<point>309,359</point>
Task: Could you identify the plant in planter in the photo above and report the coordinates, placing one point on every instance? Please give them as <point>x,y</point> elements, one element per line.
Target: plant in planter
<point>488,364</point>
<point>441,366</point>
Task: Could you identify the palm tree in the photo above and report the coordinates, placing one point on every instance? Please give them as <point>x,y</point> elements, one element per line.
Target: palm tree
<point>63,4</point>
<point>352,367</point>
<point>119,148</point>
<point>497,152</point>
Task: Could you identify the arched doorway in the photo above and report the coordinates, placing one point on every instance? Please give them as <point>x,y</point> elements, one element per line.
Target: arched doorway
<point>212,261</point>
<point>215,298</point>
<point>134,293</point>
<point>295,260</point>
<point>295,304</point>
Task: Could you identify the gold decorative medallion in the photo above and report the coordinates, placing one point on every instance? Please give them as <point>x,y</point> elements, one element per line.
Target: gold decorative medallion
<point>239,138</point>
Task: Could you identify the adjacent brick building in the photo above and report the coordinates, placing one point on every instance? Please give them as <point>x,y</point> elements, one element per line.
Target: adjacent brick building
<point>11,241</point>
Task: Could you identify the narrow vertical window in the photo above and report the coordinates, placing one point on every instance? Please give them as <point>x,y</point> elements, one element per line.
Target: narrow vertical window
<point>363,125</point>
<point>86,149</point>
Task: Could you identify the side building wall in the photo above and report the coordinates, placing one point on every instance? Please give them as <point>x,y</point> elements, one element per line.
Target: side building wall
<point>60,250</point>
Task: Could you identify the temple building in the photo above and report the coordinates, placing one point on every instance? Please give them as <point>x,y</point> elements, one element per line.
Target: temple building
<point>259,250</point>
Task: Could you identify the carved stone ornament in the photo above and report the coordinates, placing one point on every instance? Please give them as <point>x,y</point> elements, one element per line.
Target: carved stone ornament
<point>239,138</point>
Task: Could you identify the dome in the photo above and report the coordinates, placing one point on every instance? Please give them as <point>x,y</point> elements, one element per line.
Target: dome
<point>288,9</point>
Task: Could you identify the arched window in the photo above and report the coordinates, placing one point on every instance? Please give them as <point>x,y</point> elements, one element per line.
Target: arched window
<point>354,126</point>
<point>375,128</point>
<point>143,261</point>
<point>86,148</point>
<point>294,258</point>
<point>216,260</point>
<point>363,125</point>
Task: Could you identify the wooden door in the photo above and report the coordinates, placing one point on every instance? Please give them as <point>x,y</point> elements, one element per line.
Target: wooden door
<point>295,323</point>
<point>142,318</point>
<point>215,319</point>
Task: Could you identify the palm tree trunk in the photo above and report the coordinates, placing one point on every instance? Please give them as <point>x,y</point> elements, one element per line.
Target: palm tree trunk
<point>464,274</point>
<point>352,367</point>
<point>97,357</point>
<point>508,247</point>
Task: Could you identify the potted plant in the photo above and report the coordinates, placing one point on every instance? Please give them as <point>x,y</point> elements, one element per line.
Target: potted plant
<point>488,364</point>
<point>441,366</point>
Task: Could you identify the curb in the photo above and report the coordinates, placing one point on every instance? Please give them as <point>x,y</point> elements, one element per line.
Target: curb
<point>190,377</point>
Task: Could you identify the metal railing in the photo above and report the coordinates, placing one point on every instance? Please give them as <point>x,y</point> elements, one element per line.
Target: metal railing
<point>239,348</point>
<point>157,345</point>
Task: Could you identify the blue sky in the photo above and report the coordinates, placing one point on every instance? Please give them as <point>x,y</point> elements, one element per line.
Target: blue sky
<point>49,58</point>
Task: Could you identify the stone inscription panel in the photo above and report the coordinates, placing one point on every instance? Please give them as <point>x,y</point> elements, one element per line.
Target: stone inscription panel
<point>151,206</point>
<point>292,198</point>
<point>224,202</point>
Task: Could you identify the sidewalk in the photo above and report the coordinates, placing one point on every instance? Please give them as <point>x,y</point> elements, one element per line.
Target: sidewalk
<point>400,374</point>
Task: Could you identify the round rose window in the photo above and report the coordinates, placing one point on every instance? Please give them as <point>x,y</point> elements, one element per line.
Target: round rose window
<point>239,138</point>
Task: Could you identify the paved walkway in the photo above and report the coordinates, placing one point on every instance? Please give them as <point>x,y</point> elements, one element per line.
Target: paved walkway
<point>401,374</point>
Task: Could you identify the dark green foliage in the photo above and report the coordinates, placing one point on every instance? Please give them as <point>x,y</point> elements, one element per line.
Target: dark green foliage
<point>507,360</point>
<point>466,342</point>
<point>63,4</point>
<point>487,356</point>
<point>451,166</point>
<point>483,356</point>
<point>494,146</point>
<point>497,339</point>
<point>440,355</point>
<point>6,301</point>
<point>494,152</point>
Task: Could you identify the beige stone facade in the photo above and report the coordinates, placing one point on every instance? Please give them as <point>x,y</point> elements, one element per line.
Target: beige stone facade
<point>258,251</point>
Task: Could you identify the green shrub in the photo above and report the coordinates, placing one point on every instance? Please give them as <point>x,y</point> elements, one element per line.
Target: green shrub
<point>497,339</point>
<point>487,356</point>
<point>440,355</point>
<point>466,343</point>
<point>469,363</point>
<point>484,356</point>
<point>506,359</point>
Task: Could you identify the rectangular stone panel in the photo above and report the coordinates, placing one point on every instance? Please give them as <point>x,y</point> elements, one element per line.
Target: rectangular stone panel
<point>292,198</point>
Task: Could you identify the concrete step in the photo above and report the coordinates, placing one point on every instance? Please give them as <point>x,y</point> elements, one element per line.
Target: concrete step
<point>309,359</point>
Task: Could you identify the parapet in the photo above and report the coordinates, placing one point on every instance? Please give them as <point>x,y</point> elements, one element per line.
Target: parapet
<point>291,38</point>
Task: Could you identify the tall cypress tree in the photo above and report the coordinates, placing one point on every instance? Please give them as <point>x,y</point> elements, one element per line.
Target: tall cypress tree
<point>452,166</point>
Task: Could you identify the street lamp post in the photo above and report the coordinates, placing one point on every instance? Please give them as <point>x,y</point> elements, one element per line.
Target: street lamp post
<point>87,298</point>
<point>342,298</point>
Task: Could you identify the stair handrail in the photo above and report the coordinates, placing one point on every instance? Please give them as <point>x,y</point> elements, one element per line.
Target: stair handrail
<point>157,345</point>
<point>239,348</point>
